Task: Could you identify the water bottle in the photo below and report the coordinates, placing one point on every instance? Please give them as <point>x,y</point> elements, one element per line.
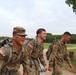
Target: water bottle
<point>41,70</point>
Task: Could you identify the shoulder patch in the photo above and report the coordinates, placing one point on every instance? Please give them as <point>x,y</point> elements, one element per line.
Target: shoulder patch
<point>29,45</point>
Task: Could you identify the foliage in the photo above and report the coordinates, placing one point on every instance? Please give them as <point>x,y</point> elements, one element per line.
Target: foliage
<point>50,38</point>
<point>72,3</point>
<point>3,37</point>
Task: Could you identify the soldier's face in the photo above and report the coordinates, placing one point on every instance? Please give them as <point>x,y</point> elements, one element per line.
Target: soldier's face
<point>43,35</point>
<point>19,39</point>
<point>67,38</point>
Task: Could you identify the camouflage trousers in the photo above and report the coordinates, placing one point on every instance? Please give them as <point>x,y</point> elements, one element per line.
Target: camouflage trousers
<point>5,71</point>
<point>11,73</point>
<point>32,70</point>
<point>57,69</point>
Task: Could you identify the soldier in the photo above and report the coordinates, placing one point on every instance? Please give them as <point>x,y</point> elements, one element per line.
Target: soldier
<point>59,54</point>
<point>34,54</point>
<point>16,55</point>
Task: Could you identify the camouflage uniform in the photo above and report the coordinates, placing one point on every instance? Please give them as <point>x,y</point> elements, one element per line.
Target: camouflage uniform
<point>34,52</point>
<point>57,57</point>
<point>17,58</point>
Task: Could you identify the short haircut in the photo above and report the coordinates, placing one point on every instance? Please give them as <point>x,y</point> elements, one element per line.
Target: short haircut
<point>67,33</point>
<point>40,30</point>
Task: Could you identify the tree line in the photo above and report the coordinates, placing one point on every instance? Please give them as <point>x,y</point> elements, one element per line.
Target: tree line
<point>71,3</point>
<point>50,38</point>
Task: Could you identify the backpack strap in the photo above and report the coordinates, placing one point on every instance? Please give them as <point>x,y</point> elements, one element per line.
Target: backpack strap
<point>8,52</point>
<point>49,51</point>
<point>24,46</point>
<point>35,45</point>
<point>35,60</point>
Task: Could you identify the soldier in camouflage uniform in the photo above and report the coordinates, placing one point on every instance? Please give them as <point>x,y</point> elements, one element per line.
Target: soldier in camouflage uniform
<point>59,54</point>
<point>17,57</point>
<point>34,54</point>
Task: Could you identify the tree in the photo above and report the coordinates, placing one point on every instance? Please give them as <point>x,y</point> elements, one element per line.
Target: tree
<point>72,3</point>
<point>49,38</point>
<point>73,39</point>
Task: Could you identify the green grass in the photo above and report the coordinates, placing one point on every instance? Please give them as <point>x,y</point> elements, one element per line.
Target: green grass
<point>71,45</point>
<point>46,45</point>
<point>73,59</point>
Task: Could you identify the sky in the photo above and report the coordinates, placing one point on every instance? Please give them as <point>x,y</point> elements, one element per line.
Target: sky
<point>53,15</point>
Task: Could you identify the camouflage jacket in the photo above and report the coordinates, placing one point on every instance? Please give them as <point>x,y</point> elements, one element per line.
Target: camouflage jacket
<point>59,54</point>
<point>17,58</point>
<point>34,50</point>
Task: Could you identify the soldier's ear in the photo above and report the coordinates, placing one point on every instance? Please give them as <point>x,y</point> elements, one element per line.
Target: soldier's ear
<point>13,37</point>
<point>38,35</point>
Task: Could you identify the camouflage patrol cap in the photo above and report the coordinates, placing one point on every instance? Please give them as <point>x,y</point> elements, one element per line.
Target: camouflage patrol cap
<point>19,31</point>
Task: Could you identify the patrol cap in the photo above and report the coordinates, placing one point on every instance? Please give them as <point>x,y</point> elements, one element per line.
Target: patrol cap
<point>19,31</point>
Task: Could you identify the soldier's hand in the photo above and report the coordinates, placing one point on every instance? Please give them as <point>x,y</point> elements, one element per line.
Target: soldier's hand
<point>24,73</point>
<point>1,52</point>
<point>45,68</point>
<point>70,65</point>
<point>50,69</point>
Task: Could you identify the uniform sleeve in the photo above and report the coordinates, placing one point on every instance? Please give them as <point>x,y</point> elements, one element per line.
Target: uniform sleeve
<point>25,63</point>
<point>2,62</point>
<point>41,57</point>
<point>26,60</point>
<point>66,57</point>
<point>53,55</point>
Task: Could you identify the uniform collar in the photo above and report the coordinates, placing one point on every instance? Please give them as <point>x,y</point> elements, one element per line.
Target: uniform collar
<point>16,51</point>
<point>37,42</point>
<point>62,43</point>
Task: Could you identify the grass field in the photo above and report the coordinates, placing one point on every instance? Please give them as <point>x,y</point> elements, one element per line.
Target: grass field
<point>46,45</point>
<point>74,59</point>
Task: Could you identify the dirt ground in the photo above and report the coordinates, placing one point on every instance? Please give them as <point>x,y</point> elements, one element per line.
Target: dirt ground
<point>65,72</point>
<point>50,73</point>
